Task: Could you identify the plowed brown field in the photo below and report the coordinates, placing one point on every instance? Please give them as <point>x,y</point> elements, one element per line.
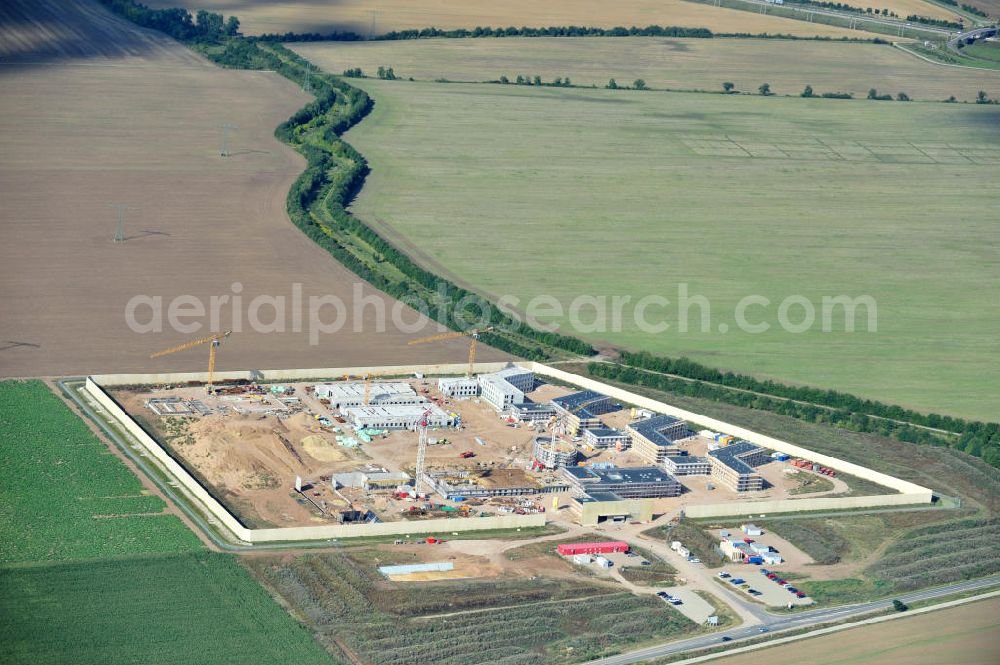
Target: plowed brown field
<point>95,111</point>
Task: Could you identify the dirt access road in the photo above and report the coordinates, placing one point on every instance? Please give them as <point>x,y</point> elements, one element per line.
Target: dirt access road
<point>95,111</point>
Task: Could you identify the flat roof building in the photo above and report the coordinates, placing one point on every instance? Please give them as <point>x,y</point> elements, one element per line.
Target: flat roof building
<point>580,410</point>
<point>396,416</point>
<point>459,386</point>
<point>606,437</point>
<point>347,395</point>
<point>531,411</point>
<point>733,466</point>
<point>687,465</point>
<point>654,438</point>
<point>637,483</point>
<point>507,387</point>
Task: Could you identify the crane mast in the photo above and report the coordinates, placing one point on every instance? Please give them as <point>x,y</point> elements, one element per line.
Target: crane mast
<point>421,452</point>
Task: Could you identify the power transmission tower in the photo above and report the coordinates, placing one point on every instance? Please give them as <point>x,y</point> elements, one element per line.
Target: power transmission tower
<point>120,229</point>
<point>225,138</point>
<point>371,26</point>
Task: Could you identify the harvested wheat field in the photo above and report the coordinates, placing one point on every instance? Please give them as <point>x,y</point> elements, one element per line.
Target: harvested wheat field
<point>964,635</point>
<point>121,115</point>
<point>320,16</point>
<point>679,64</point>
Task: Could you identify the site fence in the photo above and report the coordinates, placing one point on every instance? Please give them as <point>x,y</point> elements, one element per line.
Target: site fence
<point>908,493</point>
<point>289,534</point>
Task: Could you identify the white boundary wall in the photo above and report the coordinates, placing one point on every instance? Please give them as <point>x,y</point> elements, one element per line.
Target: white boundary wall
<point>219,512</point>
<point>909,493</point>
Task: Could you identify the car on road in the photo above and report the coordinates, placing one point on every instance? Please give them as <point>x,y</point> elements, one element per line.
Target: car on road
<point>726,638</point>
<point>763,629</point>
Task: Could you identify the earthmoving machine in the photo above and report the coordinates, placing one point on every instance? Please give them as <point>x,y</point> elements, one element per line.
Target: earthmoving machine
<point>473,336</point>
<point>213,341</point>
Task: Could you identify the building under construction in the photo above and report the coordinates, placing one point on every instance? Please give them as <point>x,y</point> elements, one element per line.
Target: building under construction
<point>348,395</point>
<point>397,416</point>
<point>488,483</point>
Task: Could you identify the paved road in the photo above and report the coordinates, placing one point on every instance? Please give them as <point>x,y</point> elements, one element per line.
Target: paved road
<point>790,621</point>
<point>978,33</point>
<point>859,19</point>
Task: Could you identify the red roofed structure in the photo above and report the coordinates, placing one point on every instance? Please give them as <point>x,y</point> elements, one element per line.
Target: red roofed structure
<point>569,549</point>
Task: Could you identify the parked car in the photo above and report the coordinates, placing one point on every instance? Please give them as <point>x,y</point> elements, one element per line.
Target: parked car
<point>772,576</point>
<point>744,586</point>
<point>791,589</point>
<point>764,571</point>
<point>662,594</point>
<point>753,592</point>
<point>800,595</point>
<point>724,574</point>
<point>737,581</point>
<point>644,563</point>
<point>694,559</point>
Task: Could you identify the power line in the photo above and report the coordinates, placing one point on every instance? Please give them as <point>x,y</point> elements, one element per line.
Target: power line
<point>120,228</point>
<point>225,138</point>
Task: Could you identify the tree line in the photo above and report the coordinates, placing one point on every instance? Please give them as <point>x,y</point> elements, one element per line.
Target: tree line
<point>335,172</point>
<point>203,27</point>
<point>977,438</point>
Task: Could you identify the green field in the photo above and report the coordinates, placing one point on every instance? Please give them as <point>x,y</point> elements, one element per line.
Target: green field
<point>625,193</point>
<point>174,610</point>
<point>93,571</point>
<point>64,495</point>
<point>679,64</point>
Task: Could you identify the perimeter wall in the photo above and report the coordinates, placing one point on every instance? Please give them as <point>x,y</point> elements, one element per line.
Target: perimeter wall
<point>908,493</point>
<point>224,517</point>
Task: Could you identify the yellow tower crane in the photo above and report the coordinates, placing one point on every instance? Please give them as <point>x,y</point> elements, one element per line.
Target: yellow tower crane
<point>212,340</point>
<point>473,336</point>
<point>368,386</point>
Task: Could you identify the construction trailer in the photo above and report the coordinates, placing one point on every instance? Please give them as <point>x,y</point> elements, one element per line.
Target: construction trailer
<point>603,547</point>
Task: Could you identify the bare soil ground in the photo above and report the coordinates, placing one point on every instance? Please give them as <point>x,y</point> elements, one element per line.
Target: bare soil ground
<point>94,112</point>
<point>965,635</point>
<point>319,16</point>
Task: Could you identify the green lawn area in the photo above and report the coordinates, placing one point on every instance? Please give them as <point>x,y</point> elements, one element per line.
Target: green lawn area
<point>678,64</point>
<point>624,193</point>
<point>93,571</point>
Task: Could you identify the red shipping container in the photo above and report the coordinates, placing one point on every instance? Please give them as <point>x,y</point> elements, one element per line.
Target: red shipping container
<point>569,549</point>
